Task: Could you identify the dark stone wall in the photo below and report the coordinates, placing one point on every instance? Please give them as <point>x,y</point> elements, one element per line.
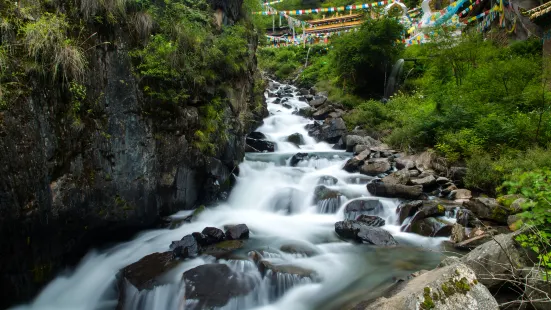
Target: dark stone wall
<point>67,185</point>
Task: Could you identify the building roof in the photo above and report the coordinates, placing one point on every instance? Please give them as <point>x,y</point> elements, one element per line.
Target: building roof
<point>334,19</point>
<point>538,12</point>
<point>334,27</point>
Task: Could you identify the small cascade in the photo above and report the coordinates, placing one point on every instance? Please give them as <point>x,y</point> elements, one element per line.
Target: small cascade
<point>169,297</point>
<point>278,283</point>
<point>330,205</point>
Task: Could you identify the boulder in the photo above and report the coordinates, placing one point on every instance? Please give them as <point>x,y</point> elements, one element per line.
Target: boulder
<point>460,194</point>
<point>296,138</point>
<point>336,114</point>
<point>323,93</point>
<point>298,157</point>
<point>353,164</point>
<point>381,189</point>
<point>514,222</point>
<point>257,135</point>
<point>185,248</point>
<point>213,235</point>
<point>427,182</point>
<point>353,140</point>
<point>467,218</point>
<point>405,162</point>
<point>458,233</point>
<point>304,91</point>
<point>264,266</point>
<point>453,287</point>
<point>361,232</point>
<point>317,101</point>
<point>432,227</point>
<point>327,200</point>
<point>144,273</point>
<point>332,130</point>
<point>260,145</point>
<point>492,260</point>
<point>431,209</point>
<point>361,206</point>
<point>237,232</point>
<point>305,111</point>
<point>303,249</point>
<point>375,166</point>
<point>442,180</point>
<point>517,205</point>
<point>327,180</point>
<point>407,209</point>
<point>398,177</point>
<point>371,220</point>
<point>360,148</point>
<point>457,174</point>
<point>473,242</point>
<point>488,209</point>
<point>223,249</point>
<point>213,285</point>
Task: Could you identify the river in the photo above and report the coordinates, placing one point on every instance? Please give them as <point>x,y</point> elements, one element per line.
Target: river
<point>275,201</point>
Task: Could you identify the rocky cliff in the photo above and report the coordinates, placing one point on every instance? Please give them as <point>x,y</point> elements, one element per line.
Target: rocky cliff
<point>79,170</point>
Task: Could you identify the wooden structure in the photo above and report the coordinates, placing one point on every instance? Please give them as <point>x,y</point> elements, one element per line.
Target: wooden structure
<point>337,23</point>
<point>541,16</point>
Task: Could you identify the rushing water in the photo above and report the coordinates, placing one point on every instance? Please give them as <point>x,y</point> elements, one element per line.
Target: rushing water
<point>275,201</point>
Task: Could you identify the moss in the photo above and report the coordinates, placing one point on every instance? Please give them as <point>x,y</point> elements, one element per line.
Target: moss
<point>448,290</point>
<point>441,208</point>
<point>427,303</point>
<point>198,211</point>
<point>475,282</point>
<point>462,285</point>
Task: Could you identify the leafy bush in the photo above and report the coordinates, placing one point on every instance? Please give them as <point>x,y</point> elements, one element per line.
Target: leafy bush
<point>535,186</point>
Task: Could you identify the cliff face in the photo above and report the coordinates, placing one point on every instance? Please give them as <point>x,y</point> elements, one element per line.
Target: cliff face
<point>68,185</point>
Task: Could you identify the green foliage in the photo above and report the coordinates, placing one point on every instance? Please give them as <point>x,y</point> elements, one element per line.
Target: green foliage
<point>536,186</point>
<point>361,59</point>
<point>486,174</point>
<point>48,42</point>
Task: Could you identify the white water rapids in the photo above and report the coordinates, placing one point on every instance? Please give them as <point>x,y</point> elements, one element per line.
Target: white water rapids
<point>345,272</point>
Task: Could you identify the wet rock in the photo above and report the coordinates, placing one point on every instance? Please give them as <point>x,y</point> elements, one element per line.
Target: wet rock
<point>327,180</point>
<point>260,145</point>
<point>453,287</point>
<point>353,165</point>
<point>305,111</point>
<point>264,266</point>
<point>277,101</point>
<point>298,157</point>
<point>488,209</point>
<point>286,105</point>
<point>257,135</point>
<point>405,162</point>
<point>361,206</point>
<point>327,200</point>
<point>427,182</point>
<point>407,209</point>
<point>201,239</point>
<point>304,91</point>
<point>458,233</point>
<point>467,218</point>
<point>330,131</point>
<point>185,248</point>
<point>375,166</point>
<point>431,209</point>
<point>223,249</point>
<point>381,189</point>
<point>143,274</point>
<point>353,140</point>
<point>371,220</point>
<point>460,194</point>
<point>213,235</point>
<point>494,258</point>
<point>442,180</point>
<point>299,249</point>
<point>213,285</point>
<point>432,227</point>
<point>360,148</point>
<point>237,232</point>
<point>317,101</point>
<point>399,177</point>
<point>361,232</point>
